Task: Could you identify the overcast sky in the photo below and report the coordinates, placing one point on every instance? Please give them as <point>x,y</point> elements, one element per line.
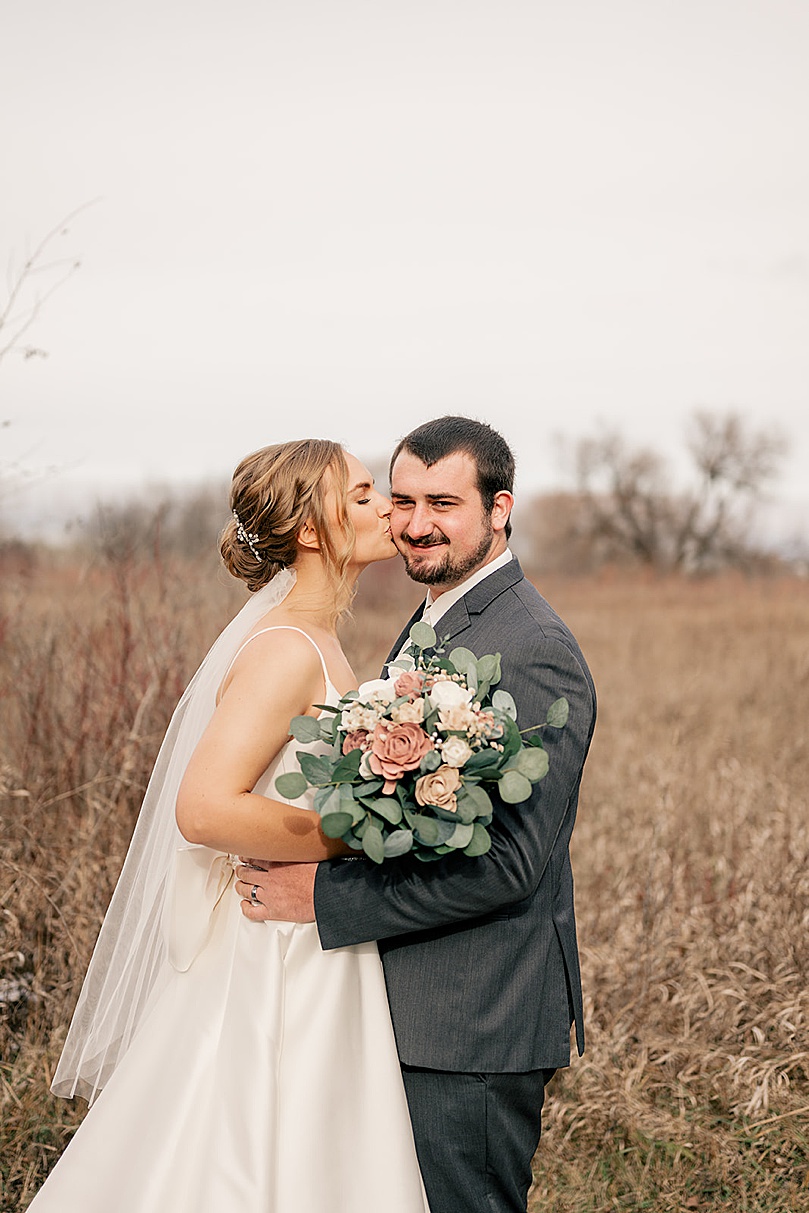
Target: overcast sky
<point>341,219</point>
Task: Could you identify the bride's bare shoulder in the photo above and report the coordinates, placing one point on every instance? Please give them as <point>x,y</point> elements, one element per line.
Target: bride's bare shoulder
<point>277,659</point>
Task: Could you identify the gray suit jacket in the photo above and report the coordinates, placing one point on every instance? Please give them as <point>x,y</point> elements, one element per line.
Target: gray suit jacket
<point>480,955</point>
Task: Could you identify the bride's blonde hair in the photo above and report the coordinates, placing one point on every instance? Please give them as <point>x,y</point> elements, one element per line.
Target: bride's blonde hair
<point>273,493</point>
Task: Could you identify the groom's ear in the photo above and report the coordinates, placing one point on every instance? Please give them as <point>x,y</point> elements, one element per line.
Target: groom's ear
<point>501,510</point>
<point>307,537</point>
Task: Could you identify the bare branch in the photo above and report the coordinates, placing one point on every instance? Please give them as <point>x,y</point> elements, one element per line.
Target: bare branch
<point>15,318</point>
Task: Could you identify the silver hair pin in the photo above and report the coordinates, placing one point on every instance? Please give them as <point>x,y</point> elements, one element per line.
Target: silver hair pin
<point>245,536</point>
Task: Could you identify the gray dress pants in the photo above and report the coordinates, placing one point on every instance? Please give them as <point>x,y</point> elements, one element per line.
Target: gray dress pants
<point>476,1135</point>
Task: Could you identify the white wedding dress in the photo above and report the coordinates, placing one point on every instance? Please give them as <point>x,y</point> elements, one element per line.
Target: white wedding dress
<point>263,1078</point>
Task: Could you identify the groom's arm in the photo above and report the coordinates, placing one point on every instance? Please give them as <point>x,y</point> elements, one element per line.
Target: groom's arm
<point>356,902</point>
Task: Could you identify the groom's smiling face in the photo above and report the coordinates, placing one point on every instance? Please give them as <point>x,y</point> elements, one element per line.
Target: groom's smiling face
<point>438,522</point>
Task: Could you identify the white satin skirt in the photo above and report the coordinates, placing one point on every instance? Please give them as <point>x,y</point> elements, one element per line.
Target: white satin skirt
<point>264,1079</point>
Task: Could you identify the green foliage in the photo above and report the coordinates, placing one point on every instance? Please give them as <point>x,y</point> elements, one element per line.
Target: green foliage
<point>434,804</point>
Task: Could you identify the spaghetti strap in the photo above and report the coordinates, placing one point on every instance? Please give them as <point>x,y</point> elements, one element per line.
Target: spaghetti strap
<point>283,627</point>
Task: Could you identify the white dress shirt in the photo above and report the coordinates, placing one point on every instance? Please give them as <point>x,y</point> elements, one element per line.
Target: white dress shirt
<point>434,609</point>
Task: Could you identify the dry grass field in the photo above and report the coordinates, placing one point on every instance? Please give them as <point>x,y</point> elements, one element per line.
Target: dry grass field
<point>691,859</point>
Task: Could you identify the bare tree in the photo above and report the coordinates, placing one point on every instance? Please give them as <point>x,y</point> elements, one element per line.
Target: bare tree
<point>631,509</point>
<point>29,285</point>
<point>26,298</point>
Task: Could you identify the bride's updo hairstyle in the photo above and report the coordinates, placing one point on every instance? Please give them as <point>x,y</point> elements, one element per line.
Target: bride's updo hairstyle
<point>273,493</point>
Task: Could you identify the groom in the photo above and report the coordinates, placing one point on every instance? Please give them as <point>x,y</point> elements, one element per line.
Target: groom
<point>480,955</point>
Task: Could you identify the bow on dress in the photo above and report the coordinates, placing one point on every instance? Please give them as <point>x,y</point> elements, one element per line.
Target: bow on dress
<point>202,876</point>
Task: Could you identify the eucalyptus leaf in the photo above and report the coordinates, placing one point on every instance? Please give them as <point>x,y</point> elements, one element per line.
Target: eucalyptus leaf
<point>464,660</point>
<point>475,795</point>
<point>398,843</point>
<point>480,759</point>
<point>426,830</point>
<point>347,768</point>
<point>514,787</point>
<point>466,811</point>
<point>366,792</point>
<point>558,713</point>
<point>305,729</point>
<point>490,774</point>
<point>354,808</point>
<point>291,785</point>
<point>334,825</point>
<point>488,668</point>
<point>461,836</point>
<point>430,762</point>
<point>481,842</point>
<point>387,807</point>
<point>315,767</point>
<point>373,844</point>
<point>503,701</point>
<point>512,739</point>
<point>422,635</point>
<point>440,814</point>
<point>327,799</point>
<point>444,830</point>
<point>532,763</point>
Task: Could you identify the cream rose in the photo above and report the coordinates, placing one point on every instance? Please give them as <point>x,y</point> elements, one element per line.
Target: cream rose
<point>439,788</point>
<point>455,751</point>
<point>408,712</point>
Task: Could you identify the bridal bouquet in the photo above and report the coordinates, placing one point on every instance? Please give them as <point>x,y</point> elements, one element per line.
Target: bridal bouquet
<point>411,755</point>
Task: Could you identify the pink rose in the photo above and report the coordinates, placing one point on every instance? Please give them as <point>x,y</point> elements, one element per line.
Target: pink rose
<point>356,739</point>
<point>410,683</point>
<point>396,748</point>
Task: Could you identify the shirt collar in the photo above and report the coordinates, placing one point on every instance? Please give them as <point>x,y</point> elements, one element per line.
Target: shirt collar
<point>434,610</point>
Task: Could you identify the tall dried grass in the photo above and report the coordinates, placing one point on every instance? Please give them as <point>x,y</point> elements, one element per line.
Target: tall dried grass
<point>690,858</point>
<point>693,903</point>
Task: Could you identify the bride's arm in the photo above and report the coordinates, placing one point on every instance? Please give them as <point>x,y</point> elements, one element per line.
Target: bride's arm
<point>277,677</point>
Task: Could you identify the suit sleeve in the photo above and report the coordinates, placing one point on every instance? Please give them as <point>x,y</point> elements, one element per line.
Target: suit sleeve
<point>356,901</point>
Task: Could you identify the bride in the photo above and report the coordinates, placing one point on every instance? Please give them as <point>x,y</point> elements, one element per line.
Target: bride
<point>232,1064</point>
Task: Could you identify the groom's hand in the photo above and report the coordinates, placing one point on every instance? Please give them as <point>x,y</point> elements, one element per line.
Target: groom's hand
<point>285,891</point>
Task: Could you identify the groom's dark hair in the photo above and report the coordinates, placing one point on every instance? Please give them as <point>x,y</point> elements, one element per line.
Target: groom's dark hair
<point>493,457</point>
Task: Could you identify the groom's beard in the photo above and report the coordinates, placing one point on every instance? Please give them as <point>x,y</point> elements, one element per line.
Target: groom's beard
<point>446,570</point>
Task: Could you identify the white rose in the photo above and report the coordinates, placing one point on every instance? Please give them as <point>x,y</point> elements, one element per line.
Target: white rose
<point>378,688</point>
<point>455,751</point>
<point>448,694</point>
<point>365,770</point>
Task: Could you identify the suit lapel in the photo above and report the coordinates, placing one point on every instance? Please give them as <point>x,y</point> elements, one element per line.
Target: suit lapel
<point>459,616</point>
<point>404,634</point>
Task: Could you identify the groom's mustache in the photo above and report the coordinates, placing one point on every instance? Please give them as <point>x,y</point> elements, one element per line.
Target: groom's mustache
<point>429,541</point>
